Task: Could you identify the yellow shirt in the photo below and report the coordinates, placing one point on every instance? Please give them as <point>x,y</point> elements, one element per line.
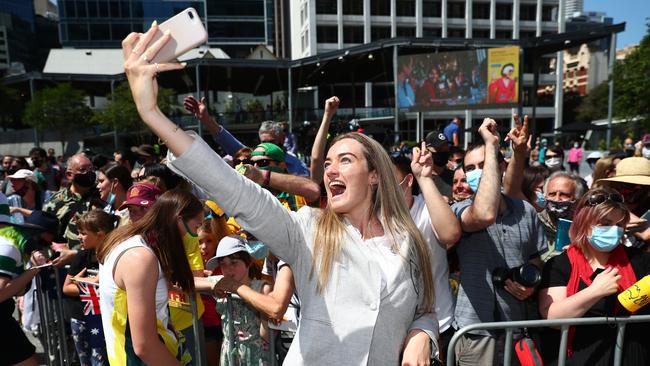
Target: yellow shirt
<point>179,305</point>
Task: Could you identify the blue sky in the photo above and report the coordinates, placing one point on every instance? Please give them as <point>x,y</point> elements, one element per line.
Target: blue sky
<point>632,12</point>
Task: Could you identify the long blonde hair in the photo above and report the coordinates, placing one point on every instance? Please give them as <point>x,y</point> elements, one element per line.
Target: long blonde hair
<point>389,207</point>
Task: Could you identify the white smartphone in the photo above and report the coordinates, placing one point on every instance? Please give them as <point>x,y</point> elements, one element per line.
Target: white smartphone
<point>187,32</point>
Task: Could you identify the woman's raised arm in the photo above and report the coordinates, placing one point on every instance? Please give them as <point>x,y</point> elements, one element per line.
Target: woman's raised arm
<point>141,74</point>
<point>255,209</point>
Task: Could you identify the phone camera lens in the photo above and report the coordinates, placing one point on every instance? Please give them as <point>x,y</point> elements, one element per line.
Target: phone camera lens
<point>190,14</point>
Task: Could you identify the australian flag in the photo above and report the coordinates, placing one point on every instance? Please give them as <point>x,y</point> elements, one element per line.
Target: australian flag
<point>89,295</point>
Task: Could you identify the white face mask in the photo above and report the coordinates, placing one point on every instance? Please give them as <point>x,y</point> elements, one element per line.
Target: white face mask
<point>645,152</point>
<point>576,145</point>
<point>552,163</point>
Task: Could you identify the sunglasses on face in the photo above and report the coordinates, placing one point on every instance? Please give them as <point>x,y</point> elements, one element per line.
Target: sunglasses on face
<point>262,163</point>
<point>243,161</point>
<point>599,198</point>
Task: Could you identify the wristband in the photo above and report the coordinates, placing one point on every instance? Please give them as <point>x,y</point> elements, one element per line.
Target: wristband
<point>267,178</point>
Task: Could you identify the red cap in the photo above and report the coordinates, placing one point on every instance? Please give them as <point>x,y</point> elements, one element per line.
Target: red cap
<point>141,194</point>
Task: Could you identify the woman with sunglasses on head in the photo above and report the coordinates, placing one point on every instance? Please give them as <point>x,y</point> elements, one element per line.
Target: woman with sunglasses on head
<point>585,279</point>
<point>365,284</point>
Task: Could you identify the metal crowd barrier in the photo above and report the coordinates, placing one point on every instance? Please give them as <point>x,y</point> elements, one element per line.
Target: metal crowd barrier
<point>564,325</point>
<point>53,332</point>
<point>52,323</point>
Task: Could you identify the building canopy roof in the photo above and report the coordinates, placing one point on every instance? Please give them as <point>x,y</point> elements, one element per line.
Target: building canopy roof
<point>371,62</point>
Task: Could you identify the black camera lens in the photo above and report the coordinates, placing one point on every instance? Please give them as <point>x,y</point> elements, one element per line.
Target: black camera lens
<point>527,274</point>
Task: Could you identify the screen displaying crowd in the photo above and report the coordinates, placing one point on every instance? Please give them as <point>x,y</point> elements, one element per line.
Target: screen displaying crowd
<point>460,79</point>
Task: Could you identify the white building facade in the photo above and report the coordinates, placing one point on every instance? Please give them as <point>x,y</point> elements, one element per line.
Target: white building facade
<point>324,25</point>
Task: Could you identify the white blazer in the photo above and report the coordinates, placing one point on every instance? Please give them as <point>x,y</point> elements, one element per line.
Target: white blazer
<point>352,322</point>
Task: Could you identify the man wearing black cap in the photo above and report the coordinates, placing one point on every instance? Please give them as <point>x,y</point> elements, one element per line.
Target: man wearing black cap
<point>438,144</point>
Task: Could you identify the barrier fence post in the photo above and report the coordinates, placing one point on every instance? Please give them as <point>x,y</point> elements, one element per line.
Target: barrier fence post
<point>231,329</point>
<point>564,341</point>
<point>507,353</point>
<point>272,345</point>
<point>199,338</point>
<point>620,338</point>
<point>43,326</point>
<point>61,321</point>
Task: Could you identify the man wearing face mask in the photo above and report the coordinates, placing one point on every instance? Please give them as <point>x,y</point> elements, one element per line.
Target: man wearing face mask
<point>499,233</point>
<point>70,201</point>
<point>645,146</point>
<point>438,145</point>
<point>561,191</point>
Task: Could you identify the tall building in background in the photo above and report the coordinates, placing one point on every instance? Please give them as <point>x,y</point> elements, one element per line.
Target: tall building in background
<point>236,26</point>
<point>573,6</point>
<point>27,32</point>
<point>324,25</point>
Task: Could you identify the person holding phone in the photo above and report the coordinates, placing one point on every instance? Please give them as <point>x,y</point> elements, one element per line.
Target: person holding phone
<point>366,285</point>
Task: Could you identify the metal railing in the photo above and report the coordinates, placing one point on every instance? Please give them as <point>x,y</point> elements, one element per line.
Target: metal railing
<point>564,324</point>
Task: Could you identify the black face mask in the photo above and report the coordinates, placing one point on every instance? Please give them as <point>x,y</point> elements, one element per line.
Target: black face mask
<point>440,158</point>
<point>37,163</point>
<point>11,171</point>
<point>560,209</point>
<point>85,180</point>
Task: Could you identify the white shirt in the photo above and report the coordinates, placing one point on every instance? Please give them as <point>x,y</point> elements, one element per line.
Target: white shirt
<point>444,299</point>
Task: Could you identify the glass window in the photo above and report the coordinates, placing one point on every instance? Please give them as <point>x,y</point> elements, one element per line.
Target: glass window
<point>481,10</point>
<point>136,9</point>
<point>93,11</point>
<point>504,11</point>
<point>549,13</point>
<point>378,32</point>
<point>103,9</point>
<point>353,34</point>
<point>115,9</point>
<point>431,8</point>
<point>527,11</point>
<point>431,32</point>
<point>247,30</point>
<point>380,7</point>
<point>326,34</point>
<point>353,7</point>
<point>69,9</point>
<point>526,34</point>
<point>238,7</point>
<point>405,8</point>
<point>100,32</point>
<point>325,6</point>
<point>456,33</point>
<point>78,32</point>
<point>120,31</point>
<point>81,9</point>
<point>481,33</point>
<point>503,34</point>
<point>405,31</point>
<point>456,10</point>
<point>125,9</point>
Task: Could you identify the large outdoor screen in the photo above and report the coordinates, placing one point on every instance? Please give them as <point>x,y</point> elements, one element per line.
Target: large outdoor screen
<point>481,78</point>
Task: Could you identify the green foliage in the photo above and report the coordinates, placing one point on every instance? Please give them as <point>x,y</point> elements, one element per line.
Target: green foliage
<point>121,114</point>
<point>9,110</point>
<point>61,108</point>
<point>594,104</point>
<point>602,145</point>
<point>632,95</point>
<point>253,105</point>
<point>616,144</point>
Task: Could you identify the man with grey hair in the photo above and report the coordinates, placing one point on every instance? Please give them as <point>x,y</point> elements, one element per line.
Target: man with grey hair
<point>561,191</point>
<point>269,131</point>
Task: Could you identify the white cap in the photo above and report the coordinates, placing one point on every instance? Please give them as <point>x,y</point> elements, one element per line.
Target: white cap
<point>24,174</point>
<point>595,155</point>
<point>230,244</point>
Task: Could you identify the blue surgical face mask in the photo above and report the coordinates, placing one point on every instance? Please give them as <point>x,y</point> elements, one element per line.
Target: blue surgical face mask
<point>473,179</point>
<point>605,238</point>
<point>541,200</point>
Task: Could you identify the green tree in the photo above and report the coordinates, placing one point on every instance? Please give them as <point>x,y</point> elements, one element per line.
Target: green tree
<point>120,114</point>
<point>61,108</point>
<point>9,107</point>
<point>632,94</point>
<point>594,104</point>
